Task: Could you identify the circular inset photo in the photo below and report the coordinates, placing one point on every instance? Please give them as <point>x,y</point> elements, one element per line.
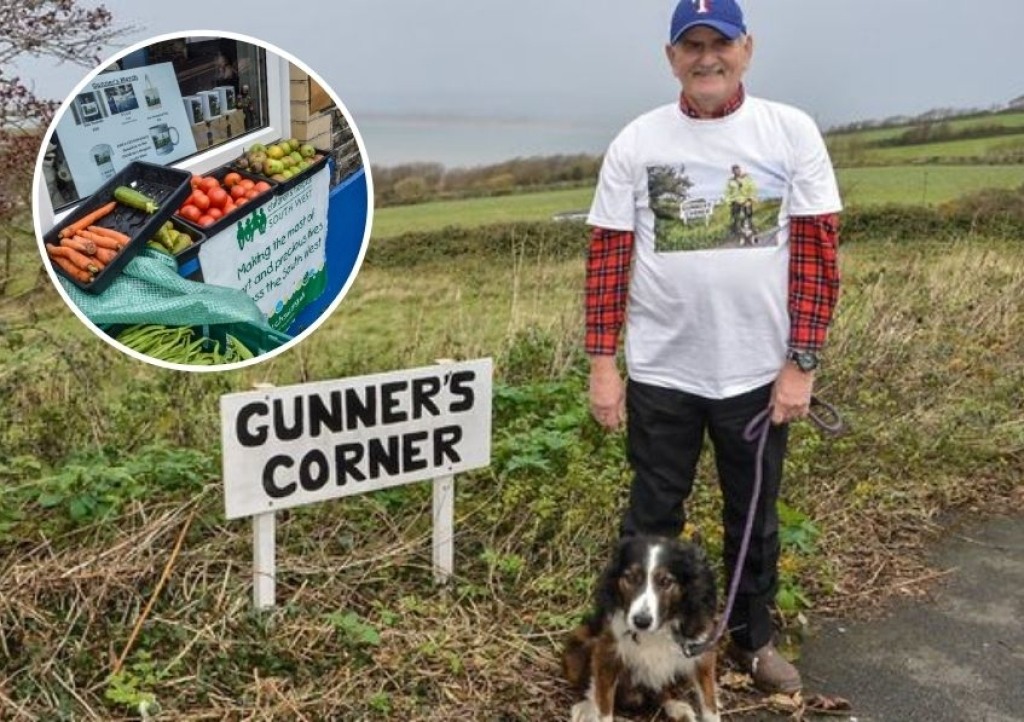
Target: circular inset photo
<point>202,201</point>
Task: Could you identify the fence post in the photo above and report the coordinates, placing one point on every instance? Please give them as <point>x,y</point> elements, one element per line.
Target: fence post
<point>444,525</point>
<point>264,560</point>
<point>264,552</point>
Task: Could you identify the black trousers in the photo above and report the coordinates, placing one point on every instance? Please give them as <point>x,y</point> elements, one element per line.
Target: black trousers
<point>665,434</point>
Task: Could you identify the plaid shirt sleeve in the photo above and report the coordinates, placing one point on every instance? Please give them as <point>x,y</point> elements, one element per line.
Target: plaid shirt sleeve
<point>813,279</point>
<point>609,258</point>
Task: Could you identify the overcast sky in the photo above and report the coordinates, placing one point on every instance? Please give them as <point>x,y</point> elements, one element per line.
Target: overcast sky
<point>602,62</point>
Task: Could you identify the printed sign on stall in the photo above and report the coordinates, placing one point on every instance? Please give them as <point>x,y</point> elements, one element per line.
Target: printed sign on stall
<point>294,445</point>
<point>120,117</point>
<point>278,253</point>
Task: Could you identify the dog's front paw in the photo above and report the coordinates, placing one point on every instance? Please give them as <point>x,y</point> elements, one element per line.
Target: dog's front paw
<point>679,711</point>
<point>584,712</point>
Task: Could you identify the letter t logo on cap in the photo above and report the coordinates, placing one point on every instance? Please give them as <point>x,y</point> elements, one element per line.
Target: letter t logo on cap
<point>702,6</point>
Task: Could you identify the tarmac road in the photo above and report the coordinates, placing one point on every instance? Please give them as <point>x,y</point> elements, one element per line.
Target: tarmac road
<point>958,657</point>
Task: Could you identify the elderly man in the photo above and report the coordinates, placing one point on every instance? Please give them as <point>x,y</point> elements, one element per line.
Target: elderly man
<point>714,333</point>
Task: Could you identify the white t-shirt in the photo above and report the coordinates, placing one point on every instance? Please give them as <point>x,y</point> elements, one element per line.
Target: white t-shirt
<point>708,295</point>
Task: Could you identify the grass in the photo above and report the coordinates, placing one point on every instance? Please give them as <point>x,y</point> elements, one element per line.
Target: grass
<point>927,185</point>
<point>925,361</point>
<point>1008,120</point>
<point>922,185</point>
<point>475,212</point>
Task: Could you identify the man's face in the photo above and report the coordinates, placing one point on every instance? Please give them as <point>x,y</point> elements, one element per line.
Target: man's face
<point>709,65</point>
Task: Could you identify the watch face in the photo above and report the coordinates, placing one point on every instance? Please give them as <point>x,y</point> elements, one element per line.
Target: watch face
<point>806,360</point>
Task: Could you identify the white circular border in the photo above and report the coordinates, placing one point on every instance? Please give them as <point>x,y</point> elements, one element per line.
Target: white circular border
<point>37,180</point>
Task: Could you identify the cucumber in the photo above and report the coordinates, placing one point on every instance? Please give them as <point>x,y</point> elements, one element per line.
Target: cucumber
<point>133,199</point>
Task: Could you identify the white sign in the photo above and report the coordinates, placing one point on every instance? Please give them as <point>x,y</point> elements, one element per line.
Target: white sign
<point>293,445</point>
<point>123,116</point>
<point>278,253</point>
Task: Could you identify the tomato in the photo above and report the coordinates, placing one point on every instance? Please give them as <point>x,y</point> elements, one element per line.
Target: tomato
<point>206,220</point>
<point>200,200</point>
<point>215,213</point>
<point>208,184</point>
<point>247,183</point>
<point>237,191</point>
<point>231,178</point>
<point>218,197</point>
<point>262,186</point>
<point>189,212</point>
<point>239,202</point>
<point>252,194</point>
<point>194,181</point>
<point>229,207</point>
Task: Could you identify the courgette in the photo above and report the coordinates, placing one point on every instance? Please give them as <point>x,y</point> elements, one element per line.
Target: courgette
<point>134,199</point>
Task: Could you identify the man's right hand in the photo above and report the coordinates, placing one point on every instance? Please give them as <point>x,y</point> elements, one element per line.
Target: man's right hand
<point>607,392</point>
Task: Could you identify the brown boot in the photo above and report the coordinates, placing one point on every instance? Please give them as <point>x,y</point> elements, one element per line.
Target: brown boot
<point>770,671</point>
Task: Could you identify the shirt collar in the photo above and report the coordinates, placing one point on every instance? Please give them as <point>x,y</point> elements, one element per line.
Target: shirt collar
<point>731,106</point>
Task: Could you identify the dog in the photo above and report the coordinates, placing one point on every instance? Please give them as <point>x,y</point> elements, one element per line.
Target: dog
<point>655,596</point>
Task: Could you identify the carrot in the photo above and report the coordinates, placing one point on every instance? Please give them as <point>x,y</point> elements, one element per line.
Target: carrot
<point>110,232</point>
<point>100,240</point>
<point>69,268</point>
<point>82,245</point>
<point>105,255</point>
<point>79,259</point>
<point>88,220</point>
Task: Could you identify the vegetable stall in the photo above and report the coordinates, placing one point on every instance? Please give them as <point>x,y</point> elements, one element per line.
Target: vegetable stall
<point>212,246</point>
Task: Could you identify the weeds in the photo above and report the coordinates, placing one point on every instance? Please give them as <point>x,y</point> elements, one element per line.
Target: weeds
<point>924,361</point>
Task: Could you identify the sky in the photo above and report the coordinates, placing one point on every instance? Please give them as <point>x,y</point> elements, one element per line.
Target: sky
<point>584,68</point>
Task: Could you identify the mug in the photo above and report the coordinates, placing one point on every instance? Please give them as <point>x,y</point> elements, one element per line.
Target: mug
<point>161,134</point>
<point>194,108</point>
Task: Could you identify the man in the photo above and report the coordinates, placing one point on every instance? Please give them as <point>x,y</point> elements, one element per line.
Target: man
<point>740,194</point>
<point>713,336</point>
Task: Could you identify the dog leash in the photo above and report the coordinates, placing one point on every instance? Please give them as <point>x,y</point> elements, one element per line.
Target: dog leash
<point>829,421</point>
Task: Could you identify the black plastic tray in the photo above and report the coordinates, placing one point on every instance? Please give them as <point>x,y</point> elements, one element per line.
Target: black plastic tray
<point>237,214</point>
<point>185,257</point>
<point>287,185</point>
<point>167,186</point>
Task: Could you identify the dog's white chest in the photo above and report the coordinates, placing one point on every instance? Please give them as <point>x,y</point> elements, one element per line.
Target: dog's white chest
<point>654,659</point>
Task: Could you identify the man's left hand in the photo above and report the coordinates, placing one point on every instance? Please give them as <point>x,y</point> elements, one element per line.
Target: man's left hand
<point>791,394</point>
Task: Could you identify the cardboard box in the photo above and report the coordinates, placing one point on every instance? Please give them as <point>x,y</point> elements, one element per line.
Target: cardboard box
<point>218,129</point>
<point>296,73</point>
<point>300,111</point>
<point>320,142</point>
<point>235,121</point>
<point>315,126</point>
<point>201,132</point>
<point>311,93</point>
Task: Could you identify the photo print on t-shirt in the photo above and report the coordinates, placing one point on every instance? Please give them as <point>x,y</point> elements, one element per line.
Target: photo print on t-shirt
<point>709,208</point>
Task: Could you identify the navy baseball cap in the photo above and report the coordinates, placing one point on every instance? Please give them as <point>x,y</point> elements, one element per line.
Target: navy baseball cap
<point>725,16</point>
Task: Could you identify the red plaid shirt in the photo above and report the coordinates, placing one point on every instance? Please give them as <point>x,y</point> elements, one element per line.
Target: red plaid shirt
<point>813,275</point>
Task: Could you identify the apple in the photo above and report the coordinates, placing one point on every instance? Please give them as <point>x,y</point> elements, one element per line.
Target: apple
<point>273,166</point>
<point>307,150</point>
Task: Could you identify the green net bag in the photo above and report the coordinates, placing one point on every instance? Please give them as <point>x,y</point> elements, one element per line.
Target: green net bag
<point>150,291</point>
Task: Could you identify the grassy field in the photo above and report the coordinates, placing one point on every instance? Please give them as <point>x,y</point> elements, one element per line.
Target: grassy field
<point>473,212</point>
<point>1008,120</point>
<point>121,583</point>
<point>914,185</point>
<point>924,361</point>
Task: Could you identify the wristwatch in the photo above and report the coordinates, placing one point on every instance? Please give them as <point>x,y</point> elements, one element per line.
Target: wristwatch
<point>806,361</point>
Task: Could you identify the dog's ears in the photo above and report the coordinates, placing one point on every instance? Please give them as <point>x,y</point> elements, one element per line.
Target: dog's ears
<point>606,597</point>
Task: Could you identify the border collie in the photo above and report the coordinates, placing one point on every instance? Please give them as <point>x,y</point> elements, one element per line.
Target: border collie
<point>655,596</point>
